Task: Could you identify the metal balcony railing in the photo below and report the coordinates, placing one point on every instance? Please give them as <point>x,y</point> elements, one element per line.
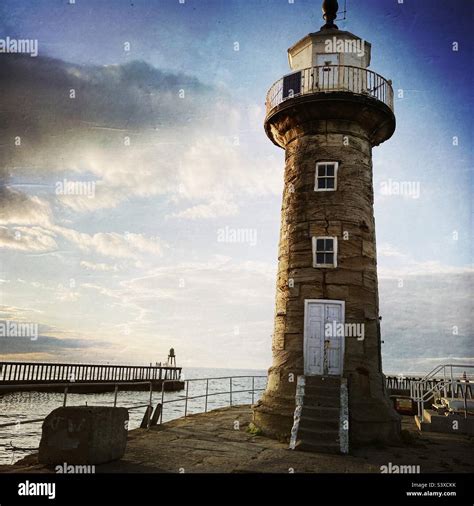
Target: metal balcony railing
<point>329,79</point>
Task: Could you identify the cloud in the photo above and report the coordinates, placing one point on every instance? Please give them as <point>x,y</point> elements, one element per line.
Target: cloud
<point>47,347</point>
<point>100,267</point>
<point>189,304</point>
<point>130,96</point>
<point>34,239</point>
<point>388,250</point>
<point>112,244</point>
<point>131,131</point>
<point>17,313</point>
<point>427,320</point>
<point>100,289</point>
<point>214,209</point>
<point>416,268</point>
<point>21,209</point>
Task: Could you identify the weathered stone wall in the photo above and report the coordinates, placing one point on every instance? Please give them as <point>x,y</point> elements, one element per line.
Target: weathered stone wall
<point>346,213</point>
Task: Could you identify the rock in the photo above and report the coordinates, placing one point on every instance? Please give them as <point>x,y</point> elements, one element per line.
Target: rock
<point>83,435</point>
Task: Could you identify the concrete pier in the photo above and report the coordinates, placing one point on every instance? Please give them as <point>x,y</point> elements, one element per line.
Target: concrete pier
<point>220,442</point>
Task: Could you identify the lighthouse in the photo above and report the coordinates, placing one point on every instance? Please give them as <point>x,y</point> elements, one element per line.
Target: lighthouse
<point>326,386</point>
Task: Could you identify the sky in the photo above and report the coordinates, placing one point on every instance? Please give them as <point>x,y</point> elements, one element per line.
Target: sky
<point>157,107</point>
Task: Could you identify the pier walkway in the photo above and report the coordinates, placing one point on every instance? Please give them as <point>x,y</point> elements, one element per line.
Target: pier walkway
<point>45,376</point>
<point>219,442</point>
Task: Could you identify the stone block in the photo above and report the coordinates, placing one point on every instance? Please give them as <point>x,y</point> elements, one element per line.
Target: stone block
<point>311,291</point>
<point>370,280</point>
<point>358,264</point>
<point>294,342</point>
<point>337,292</point>
<point>351,248</point>
<point>83,435</point>
<point>335,140</point>
<point>307,275</point>
<point>368,249</point>
<point>343,277</point>
<point>301,259</point>
<point>304,245</point>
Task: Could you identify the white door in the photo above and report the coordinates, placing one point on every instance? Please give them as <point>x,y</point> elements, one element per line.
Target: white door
<point>328,75</point>
<point>323,337</point>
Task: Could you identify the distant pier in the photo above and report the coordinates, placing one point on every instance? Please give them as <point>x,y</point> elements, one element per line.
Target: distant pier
<point>86,378</point>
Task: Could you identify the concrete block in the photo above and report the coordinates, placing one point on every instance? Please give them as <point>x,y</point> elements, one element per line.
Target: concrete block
<point>83,435</point>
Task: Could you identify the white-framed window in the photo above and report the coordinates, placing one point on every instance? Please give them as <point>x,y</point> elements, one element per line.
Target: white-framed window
<point>326,177</point>
<point>324,251</point>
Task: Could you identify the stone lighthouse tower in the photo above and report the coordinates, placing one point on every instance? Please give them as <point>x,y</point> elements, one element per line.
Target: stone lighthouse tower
<point>327,115</point>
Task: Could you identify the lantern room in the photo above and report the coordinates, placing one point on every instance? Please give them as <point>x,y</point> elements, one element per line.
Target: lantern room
<point>329,47</point>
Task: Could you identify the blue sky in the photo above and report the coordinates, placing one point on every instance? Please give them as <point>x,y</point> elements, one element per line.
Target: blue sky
<point>138,268</point>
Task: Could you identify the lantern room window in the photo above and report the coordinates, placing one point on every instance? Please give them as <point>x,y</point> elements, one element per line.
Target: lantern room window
<point>324,251</point>
<point>326,176</point>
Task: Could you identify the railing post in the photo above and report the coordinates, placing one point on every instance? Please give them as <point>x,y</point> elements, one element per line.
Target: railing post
<point>444,383</point>
<point>186,401</point>
<point>65,396</point>
<point>253,389</point>
<point>230,391</point>
<point>162,400</point>
<point>115,396</point>
<point>420,401</point>
<point>453,394</point>
<point>207,392</point>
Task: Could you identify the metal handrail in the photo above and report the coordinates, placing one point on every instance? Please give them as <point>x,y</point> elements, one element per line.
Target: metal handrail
<point>419,393</point>
<point>422,396</point>
<point>205,396</point>
<point>332,78</point>
<point>150,403</point>
<point>66,391</point>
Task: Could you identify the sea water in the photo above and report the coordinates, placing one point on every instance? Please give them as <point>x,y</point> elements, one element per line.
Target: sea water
<point>22,439</point>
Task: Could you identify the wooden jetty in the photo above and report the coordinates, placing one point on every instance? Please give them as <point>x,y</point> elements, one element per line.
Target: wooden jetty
<point>86,378</point>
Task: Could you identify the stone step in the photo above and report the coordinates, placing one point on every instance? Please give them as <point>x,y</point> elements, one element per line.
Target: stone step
<point>319,423</point>
<point>321,401</point>
<point>326,381</point>
<point>312,390</point>
<point>311,435</point>
<point>321,412</point>
<point>318,448</point>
